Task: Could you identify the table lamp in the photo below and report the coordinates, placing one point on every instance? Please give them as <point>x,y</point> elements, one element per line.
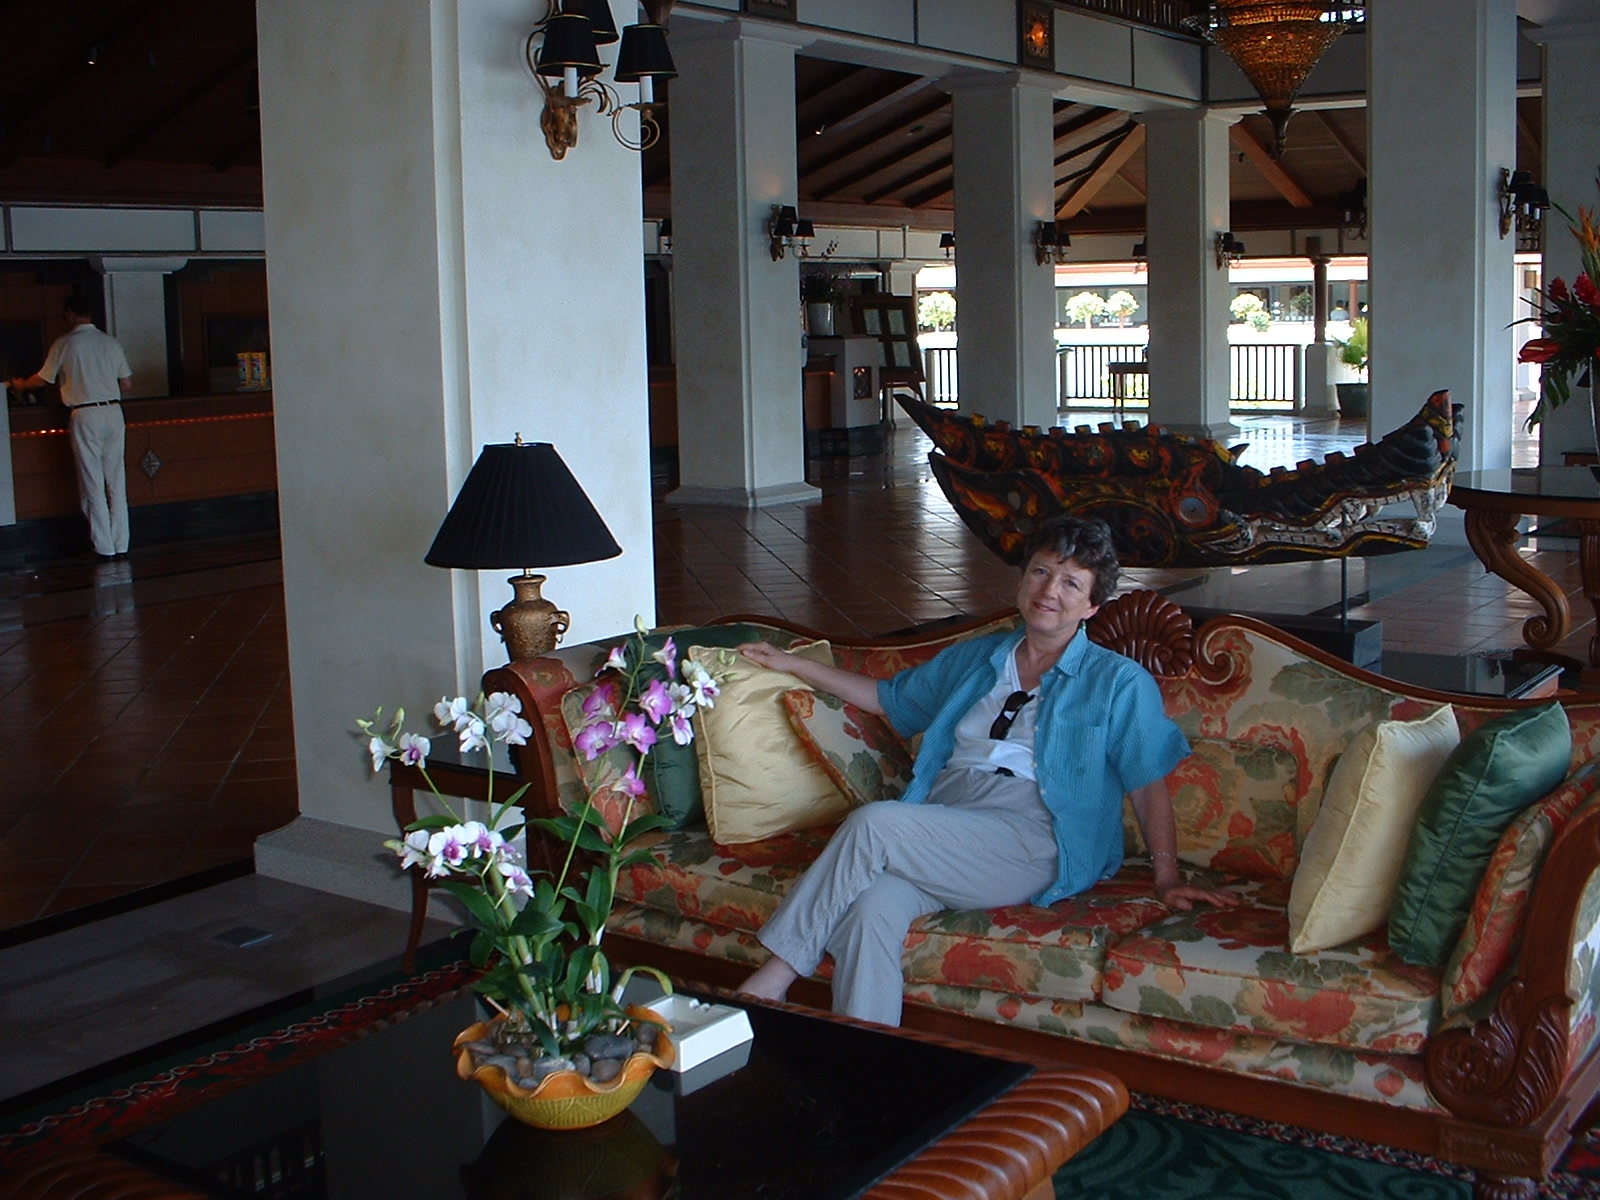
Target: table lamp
<point>521,507</point>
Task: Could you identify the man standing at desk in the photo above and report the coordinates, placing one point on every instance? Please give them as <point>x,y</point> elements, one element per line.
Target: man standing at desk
<point>94,373</point>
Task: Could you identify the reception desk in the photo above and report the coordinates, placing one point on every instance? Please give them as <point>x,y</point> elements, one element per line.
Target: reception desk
<point>180,448</point>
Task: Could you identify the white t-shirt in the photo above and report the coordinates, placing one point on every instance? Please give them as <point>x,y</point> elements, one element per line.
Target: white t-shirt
<point>88,364</point>
<point>975,748</point>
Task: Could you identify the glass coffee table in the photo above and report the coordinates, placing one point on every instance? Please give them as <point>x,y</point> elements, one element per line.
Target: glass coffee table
<point>814,1107</point>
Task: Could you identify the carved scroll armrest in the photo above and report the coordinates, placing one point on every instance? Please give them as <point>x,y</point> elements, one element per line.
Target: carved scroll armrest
<point>1508,1068</point>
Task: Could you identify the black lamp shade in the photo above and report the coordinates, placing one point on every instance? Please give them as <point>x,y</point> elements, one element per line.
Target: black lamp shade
<point>947,241</point>
<point>803,228</point>
<point>568,42</point>
<point>601,26</point>
<point>521,507</point>
<point>644,52</point>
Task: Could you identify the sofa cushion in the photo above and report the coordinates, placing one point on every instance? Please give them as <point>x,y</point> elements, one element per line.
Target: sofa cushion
<point>1232,969</point>
<point>1351,862</point>
<point>863,756</point>
<point>733,886</point>
<point>756,780</point>
<point>1498,770</point>
<point>1488,945</point>
<point>1235,804</point>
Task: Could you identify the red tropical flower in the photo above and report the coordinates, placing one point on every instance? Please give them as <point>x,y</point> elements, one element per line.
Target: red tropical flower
<point>1557,289</point>
<point>1583,289</point>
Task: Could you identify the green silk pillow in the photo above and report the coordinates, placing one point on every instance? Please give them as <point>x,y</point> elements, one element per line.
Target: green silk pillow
<point>1498,770</point>
<point>672,772</point>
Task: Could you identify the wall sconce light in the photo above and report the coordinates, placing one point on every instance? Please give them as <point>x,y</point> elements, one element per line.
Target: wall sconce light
<point>564,48</point>
<point>1050,242</point>
<point>947,243</point>
<point>1140,256</point>
<point>1522,204</point>
<point>1353,210</point>
<point>786,229</point>
<point>1230,250</point>
<point>664,235</point>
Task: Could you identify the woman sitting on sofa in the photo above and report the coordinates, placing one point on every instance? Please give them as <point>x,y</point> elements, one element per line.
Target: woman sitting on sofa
<point>1030,739</point>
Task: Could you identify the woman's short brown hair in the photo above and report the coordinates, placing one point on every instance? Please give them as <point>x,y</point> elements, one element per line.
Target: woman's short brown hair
<point>1087,543</point>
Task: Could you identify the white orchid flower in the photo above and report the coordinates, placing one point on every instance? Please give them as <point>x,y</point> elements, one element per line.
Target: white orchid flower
<point>617,660</point>
<point>447,848</point>
<point>413,749</point>
<point>452,712</point>
<point>380,751</point>
<point>500,713</point>
<point>472,735</point>
<point>413,851</point>
<point>517,881</point>
<point>702,687</point>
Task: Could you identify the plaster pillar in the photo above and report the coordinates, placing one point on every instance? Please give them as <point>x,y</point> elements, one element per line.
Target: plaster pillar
<point>1321,398</point>
<point>741,424</point>
<point>1442,121</point>
<point>1188,292</point>
<point>438,282</point>
<point>136,315</point>
<point>1571,150</point>
<point>1004,186</point>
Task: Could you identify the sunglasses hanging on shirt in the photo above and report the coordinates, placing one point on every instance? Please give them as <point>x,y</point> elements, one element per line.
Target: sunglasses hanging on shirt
<point>1008,715</point>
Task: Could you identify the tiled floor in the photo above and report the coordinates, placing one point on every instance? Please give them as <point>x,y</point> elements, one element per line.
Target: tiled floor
<point>145,724</point>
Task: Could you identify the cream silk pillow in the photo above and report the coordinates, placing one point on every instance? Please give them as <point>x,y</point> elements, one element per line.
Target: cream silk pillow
<point>1351,861</point>
<point>757,779</point>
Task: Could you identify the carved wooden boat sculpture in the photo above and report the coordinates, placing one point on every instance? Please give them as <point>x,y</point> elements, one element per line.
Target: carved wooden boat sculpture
<point>1176,501</point>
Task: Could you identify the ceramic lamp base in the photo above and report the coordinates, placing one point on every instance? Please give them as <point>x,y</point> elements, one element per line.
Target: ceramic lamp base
<point>530,625</point>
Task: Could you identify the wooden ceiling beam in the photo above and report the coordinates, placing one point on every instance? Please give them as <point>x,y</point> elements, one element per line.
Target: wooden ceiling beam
<point>244,58</point>
<point>1526,129</point>
<point>842,83</point>
<point>1090,120</point>
<point>899,153</point>
<point>1122,174</point>
<point>66,71</point>
<point>1348,148</point>
<point>871,109</point>
<point>1285,184</point>
<point>927,195</point>
<point>867,141</point>
<point>1103,172</point>
<point>938,166</point>
<point>231,156</point>
<point>1079,151</point>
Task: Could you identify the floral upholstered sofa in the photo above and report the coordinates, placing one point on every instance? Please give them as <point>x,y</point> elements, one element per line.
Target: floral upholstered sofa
<point>1487,1062</point>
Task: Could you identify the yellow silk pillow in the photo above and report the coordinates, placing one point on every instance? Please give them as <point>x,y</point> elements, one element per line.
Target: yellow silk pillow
<point>757,779</point>
<point>1350,864</point>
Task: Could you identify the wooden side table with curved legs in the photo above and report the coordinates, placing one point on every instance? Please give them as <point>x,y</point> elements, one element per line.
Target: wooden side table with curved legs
<point>1495,501</point>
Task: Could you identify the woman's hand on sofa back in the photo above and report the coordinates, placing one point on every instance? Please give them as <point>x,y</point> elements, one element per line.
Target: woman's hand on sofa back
<point>859,690</point>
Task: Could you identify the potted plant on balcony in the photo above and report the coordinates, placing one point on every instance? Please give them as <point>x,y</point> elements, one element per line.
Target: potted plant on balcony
<point>1353,397</point>
<point>562,1053</point>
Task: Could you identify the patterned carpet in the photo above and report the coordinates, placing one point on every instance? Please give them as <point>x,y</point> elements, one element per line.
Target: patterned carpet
<point>1162,1150</point>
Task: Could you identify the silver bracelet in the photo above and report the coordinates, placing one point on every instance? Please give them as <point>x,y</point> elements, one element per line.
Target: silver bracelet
<point>1164,854</point>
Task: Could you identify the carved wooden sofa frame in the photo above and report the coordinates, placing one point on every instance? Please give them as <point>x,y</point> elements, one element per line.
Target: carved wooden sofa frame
<point>1514,1099</point>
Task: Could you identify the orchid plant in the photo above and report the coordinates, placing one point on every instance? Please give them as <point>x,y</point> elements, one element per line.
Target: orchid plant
<point>537,935</point>
<point>1571,320</point>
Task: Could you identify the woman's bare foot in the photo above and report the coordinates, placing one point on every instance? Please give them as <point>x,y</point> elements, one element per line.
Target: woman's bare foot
<point>772,981</point>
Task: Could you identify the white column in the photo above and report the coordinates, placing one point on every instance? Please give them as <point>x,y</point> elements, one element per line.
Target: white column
<point>741,425</point>
<point>1188,292</point>
<point>136,315</point>
<point>1571,150</point>
<point>1442,121</point>
<point>1004,186</point>
<point>438,282</point>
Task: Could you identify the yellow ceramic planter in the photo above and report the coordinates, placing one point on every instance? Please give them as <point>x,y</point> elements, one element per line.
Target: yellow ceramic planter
<point>566,1099</point>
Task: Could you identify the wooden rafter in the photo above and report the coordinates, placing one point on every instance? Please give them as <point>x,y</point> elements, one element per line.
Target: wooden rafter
<point>1271,169</point>
<point>869,110</point>
<point>1088,119</point>
<point>928,194</point>
<point>919,175</point>
<point>898,154</point>
<point>1112,135</point>
<point>1526,129</point>
<point>851,78</point>
<point>66,72</point>
<point>237,151</point>
<point>1102,172</point>
<point>182,104</point>
<point>866,141</point>
<point>1357,159</point>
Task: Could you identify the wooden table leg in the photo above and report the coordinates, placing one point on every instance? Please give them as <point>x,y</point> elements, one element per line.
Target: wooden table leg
<point>1589,568</point>
<point>1494,538</point>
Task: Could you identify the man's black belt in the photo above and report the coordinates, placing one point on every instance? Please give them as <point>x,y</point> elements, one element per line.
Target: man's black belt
<point>96,404</point>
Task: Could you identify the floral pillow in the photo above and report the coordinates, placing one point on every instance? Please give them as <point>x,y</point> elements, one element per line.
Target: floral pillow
<point>1235,805</point>
<point>858,750</point>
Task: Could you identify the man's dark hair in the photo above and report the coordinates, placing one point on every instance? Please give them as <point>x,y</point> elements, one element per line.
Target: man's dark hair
<point>77,306</point>
<point>1087,543</point>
